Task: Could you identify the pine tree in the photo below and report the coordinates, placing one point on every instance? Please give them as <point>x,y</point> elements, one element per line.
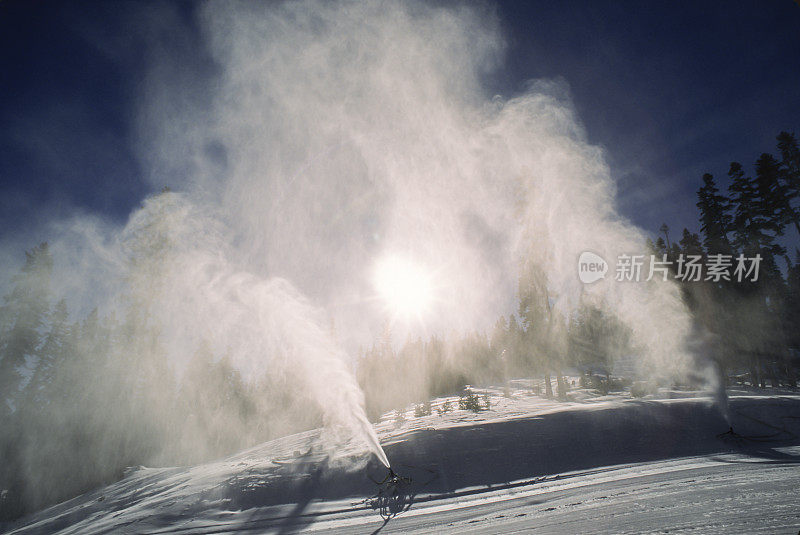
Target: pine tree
<point>690,243</point>
<point>543,329</point>
<point>774,194</point>
<point>754,223</point>
<point>715,218</point>
<point>52,356</point>
<point>660,247</point>
<point>789,172</point>
<point>757,221</point>
<point>23,314</point>
<point>665,231</point>
<point>25,311</point>
<point>791,315</point>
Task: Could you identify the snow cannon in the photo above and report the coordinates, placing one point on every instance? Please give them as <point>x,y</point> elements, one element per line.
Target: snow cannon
<point>392,482</point>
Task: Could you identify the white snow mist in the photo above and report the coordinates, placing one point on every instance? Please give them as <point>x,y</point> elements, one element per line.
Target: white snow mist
<point>331,136</point>
<point>340,133</point>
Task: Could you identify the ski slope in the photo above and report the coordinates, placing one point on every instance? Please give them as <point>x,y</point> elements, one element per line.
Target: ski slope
<point>720,494</point>
<point>595,464</point>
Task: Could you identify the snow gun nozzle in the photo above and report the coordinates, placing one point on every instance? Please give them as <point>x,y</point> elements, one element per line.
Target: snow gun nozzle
<point>729,433</point>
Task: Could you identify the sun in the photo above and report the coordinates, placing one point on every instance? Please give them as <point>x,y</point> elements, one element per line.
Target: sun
<point>404,285</point>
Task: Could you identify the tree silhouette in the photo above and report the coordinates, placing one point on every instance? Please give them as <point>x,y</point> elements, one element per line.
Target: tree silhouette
<point>715,218</point>
<point>24,313</point>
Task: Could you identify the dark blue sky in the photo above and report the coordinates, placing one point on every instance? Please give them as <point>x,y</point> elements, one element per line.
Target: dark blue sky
<point>669,89</point>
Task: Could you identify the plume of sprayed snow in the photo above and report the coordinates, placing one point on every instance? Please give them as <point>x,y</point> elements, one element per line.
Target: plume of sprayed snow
<point>338,133</point>
<point>196,294</point>
<point>342,132</point>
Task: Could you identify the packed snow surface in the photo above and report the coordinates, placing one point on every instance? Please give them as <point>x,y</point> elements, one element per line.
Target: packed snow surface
<point>593,464</point>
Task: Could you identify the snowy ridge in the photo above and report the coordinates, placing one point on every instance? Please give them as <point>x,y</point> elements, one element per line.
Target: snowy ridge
<point>553,464</point>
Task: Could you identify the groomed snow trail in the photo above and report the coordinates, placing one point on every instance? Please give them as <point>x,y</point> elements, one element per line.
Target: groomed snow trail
<point>724,494</point>
<point>607,464</point>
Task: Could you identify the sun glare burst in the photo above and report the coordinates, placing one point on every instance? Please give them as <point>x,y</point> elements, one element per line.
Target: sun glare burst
<point>404,285</point>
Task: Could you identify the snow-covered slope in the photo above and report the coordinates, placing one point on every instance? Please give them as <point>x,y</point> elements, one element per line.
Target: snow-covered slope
<point>594,464</point>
